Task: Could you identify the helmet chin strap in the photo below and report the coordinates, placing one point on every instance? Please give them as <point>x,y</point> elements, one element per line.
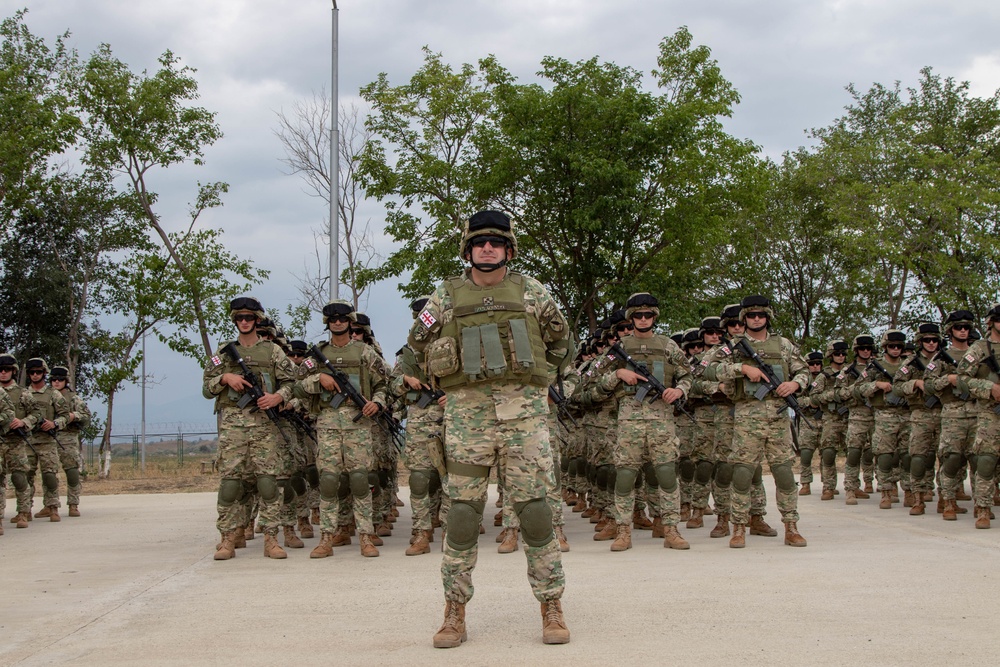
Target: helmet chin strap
<point>488,268</point>
<point>649,328</point>
<point>756,329</point>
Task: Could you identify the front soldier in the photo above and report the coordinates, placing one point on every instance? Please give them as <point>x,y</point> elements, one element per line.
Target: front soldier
<point>249,440</point>
<point>69,438</point>
<point>45,456</point>
<point>762,427</point>
<point>487,337</point>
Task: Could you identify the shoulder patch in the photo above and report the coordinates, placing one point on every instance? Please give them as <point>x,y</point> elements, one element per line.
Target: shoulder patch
<point>864,373</point>
<point>216,361</point>
<point>427,319</point>
<point>309,363</point>
<point>906,369</point>
<point>970,358</point>
<point>840,376</point>
<point>931,366</point>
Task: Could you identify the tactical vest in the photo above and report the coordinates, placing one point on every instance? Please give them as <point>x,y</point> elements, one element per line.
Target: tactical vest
<point>258,360</point>
<point>46,401</point>
<point>655,354</point>
<point>497,338</point>
<point>348,360</point>
<point>770,351</point>
<point>411,365</point>
<point>70,396</point>
<point>878,399</point>
<point>983,371</point>
<point>14,393</point>
<point>831,380</point>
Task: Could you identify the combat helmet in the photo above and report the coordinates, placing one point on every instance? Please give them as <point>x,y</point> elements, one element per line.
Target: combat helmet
<point>641,301</point>
<point>247,304</point>
<point>815,357</point>
<point>488,223</point>
<point>364,323</point>
<point>928,330</point>
<point>755,303</point>
<point>7,359</point>
<point>417,305</point>
<point>730,314</point>
<point>993,315</point>
<point>59,373</point>
<point>710,325</point>
<point>36,362</point>
<point>692,337</point>
<point>864,340</point>
<point>958,317</point>
<point>836,346</point>
<point>339,307</point>
<point>893,336</point>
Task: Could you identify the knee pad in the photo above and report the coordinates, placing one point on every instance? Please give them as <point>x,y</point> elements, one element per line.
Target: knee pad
<point>986,466</point>
<point>420,483</point>
<point>312,475</point>
<point>867,457</point>
<point>230,491</point>
<point>383,479</point>
<point>50,481</point>
<point>639,479</point>
<point>973,459</point>
<point>688,469</point>
<point>536,522</point>
<point>885,463</point>
<point>601,476</point>
<point>464,518</point>
<point>829,456</point>
<point>612,479</point>
<point>329,486</point>
<point>298,482</point>
<point>19,479</point>
<point>73,477</point>
<point>742,477</point>
<point>345,486</point>
<point>373,483</point>
<point>649,472</point>
<point>287,492</point>
<point>267,487</point>
<point>724,474</point>
<point>854,457</point>
<point>783,477</point>
<point>361,482</point>
<point>666,476</point>
<point>435,482</point>
<point>564,464</point>
<point>625,481</point>
<point>758,475</point>
<point>572,467</point>
<point>918,467</point>
<point>806,457</point>
<point>903,461</point>
<point>703,472</point>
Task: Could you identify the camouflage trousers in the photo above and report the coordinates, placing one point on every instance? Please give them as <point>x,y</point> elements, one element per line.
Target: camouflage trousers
<point>925,432</point>
<point>520,448</point>
<point>47,461</point>
<point>722,490</point>
<point>345,451</point>
<point>685,431</point>
<point>248,448</point>
<point>576,453</point>
<point>760,432</point>
<point>808,444</point>
<point>647,443</point>
<point>69,458</point>
<point>312,495</point>
<point>958,437</point>
<point>703,455</point>
<point>599,445</point>
<point>293,463</point>
<point>425,451</point>
<point>860,428</point>
<point>832,441</point>
<point>557,440</point>
<point>890,441</point>
<point>987,451</point>
<point>13,458</point>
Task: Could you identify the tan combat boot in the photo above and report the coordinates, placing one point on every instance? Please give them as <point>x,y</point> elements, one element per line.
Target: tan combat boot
<point>827,494</point>
<point>792,537</point>
<point>851,498</point>
<point>248,532</point>
<point>868,488</point>
<point>805,490</point>
<point>886,502</point>
<point>554,630</point>
<point>623,537</point>
<point>908,499</point>
<point>658,528</point>
<point>498,518</point>
<point>640,522</point>
<point>861,495</point>
<point>452,632</point>
<point>608,532</point>
<point>325,547</point>
<point>672,539</point>
<point>271,547</point>
<point>982,517</point>
<point>685,511</point>
<point>697,518</point>
<point>420,545</point>
<point>259,528</point>
<point>239,541</point>
<point>314,516</point>
<point>342,537</point>
<point>960,493</point>
<point>580,506</point>
<point>226,549</point>
<point>739,538</point>
<point>760,527</point>
<point>589,511</point>
<point>509,543</point>
<point>20,520</point>
<point>948,513</point>
<point>292,540</point>
<point>384,529</point>
<point>368,549</point>
<point>54,514</point>
<point>74,510</point>
<point>894,493</point>
<point>305,528</point>
<point>721,527</point>
<point>43,513</point>
<point>918,504</point>
<point>376,540</point>
<point>561,538</point>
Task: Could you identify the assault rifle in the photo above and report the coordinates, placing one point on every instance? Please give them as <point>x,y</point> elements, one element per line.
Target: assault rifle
<point>562,408</point>
<point>991,361</point>
<point>890,398</point>
<point>348,391</point>
<point>23,434</point>
<point>651,386</point>
<point>254,392</point>
<point>299,422</point>
<point>428,396</point>
<point>947,358</point>
<point>853,371</point>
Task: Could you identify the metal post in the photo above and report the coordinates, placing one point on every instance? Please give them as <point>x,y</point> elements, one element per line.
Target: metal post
<point>143,401</point>
<point>334,165</point>
<point>180,449</point>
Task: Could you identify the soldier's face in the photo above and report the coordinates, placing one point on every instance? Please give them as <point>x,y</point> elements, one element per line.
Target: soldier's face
<point>6,375</point>
<point>245,323</point>
<point>930,345</point>
<point>58,385</point>
<point>735,328</point>
<point>960,332</point>
<point>894,350</point>
<point>713,338</point>
<point>339,325</point>
<point>487,253</point>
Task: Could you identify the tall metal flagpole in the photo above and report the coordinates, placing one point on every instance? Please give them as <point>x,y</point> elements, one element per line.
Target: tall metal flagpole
<point>334,167</point>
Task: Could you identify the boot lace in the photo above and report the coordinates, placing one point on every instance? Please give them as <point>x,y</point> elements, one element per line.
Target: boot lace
<point>553,613</point>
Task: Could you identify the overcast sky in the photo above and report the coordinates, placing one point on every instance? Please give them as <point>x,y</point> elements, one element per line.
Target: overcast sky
<point>789,59</point>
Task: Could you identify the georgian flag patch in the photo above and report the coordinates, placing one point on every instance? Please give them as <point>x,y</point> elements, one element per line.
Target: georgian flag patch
<point>931,366</point>
<point>971,359</point>
<point>840,377</point>
<point>704,362</point>
<point>427,319</point>
<point>216,361</point>
<point>309,363</point>
<point>726,351</point>
<point>864,373</point>
<point>906,369</point>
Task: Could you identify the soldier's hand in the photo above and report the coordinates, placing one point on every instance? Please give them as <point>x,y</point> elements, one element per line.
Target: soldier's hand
<point>268,401</point>
<point>16,423</point>
<point>919,384</point>
<point>953,380</point>
<point>884,386</point>
<point>47,425</point>
<point>672,394</point>
<point>327,382</point>
<point>442,401</point>
<point>995,392</point>
<point>413,383</point>
<point>629,377</point>
<point>753,373</point>
<point>235,381</point>
<point>371,409</point>
<point>787,388</point>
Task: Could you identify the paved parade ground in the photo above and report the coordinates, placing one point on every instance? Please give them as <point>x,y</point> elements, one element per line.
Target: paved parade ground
<point>133,582</point>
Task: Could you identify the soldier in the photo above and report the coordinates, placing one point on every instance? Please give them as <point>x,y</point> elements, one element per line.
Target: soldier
<point>809,438</point>
<point>45,456</point>
<point>702,403</point>
<point>762,427</point>
<point>345,455</point>
<point>11,454</point>
<point>69,438</point>
<point>860,419</point>
<point>488,336</point>
<point>833,436</point>
<point>307,502</point>
<point>27,415</point>
<point>249,456</point>
<point>979,375</point>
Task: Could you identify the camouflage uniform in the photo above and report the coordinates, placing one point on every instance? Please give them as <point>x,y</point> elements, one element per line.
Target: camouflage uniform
<point>977,376</point>
<point>600,426</point>
<point>17,462</point>
<point>958,421</point>
<point>69,440</point>
<point>890,436</point>
<point>54,408</point>
<point>12,456</point>
<point>925,424</point>
<point>833,435</point>
<point>809,438</point>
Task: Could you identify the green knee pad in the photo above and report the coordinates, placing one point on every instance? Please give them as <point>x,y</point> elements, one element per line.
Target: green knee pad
<point>73,477</point>
<point>435,484</point>
<point>742,477</point>
<point>329,486</point>
<point>885,463</point>
<point>558,475</point>
<point>312,475</point>
<point>703,472</point>
<point>464,518</point>
<point>806,457</point>
<point>373,483</point>
<point>903,461</point>
<point>625,481</point>
<point>867,457</point>
<point>649,472</point>
<point>918,467</point>
<point>601,474</point>
<point>724,474</point>
<point>50,481</point>
<point>639,479</point>
<point>612,479</point>
<point>666,476</point>
<point>854,457</point>
<point>829,456</point>
<point>20,480</point>
<point>345,486</point>
<point>361,482</point>
<point>688,469</point>
<point>986,466</point>
<point>230,490</point>
<point>783,477</point>
<point>536,522</point>
<point>287,492</point>
<point>420,483</point>
<point>758,475</point>
<point>573,467</point>
<point>564,464</point>
<point>298,482</point>
<point>383,478</point>
<point>267,487</point>
<point>973,459</point>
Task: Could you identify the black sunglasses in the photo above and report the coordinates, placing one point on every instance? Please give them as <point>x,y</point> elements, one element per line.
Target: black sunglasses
<point>244,317</point>
<point>495,241</point>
